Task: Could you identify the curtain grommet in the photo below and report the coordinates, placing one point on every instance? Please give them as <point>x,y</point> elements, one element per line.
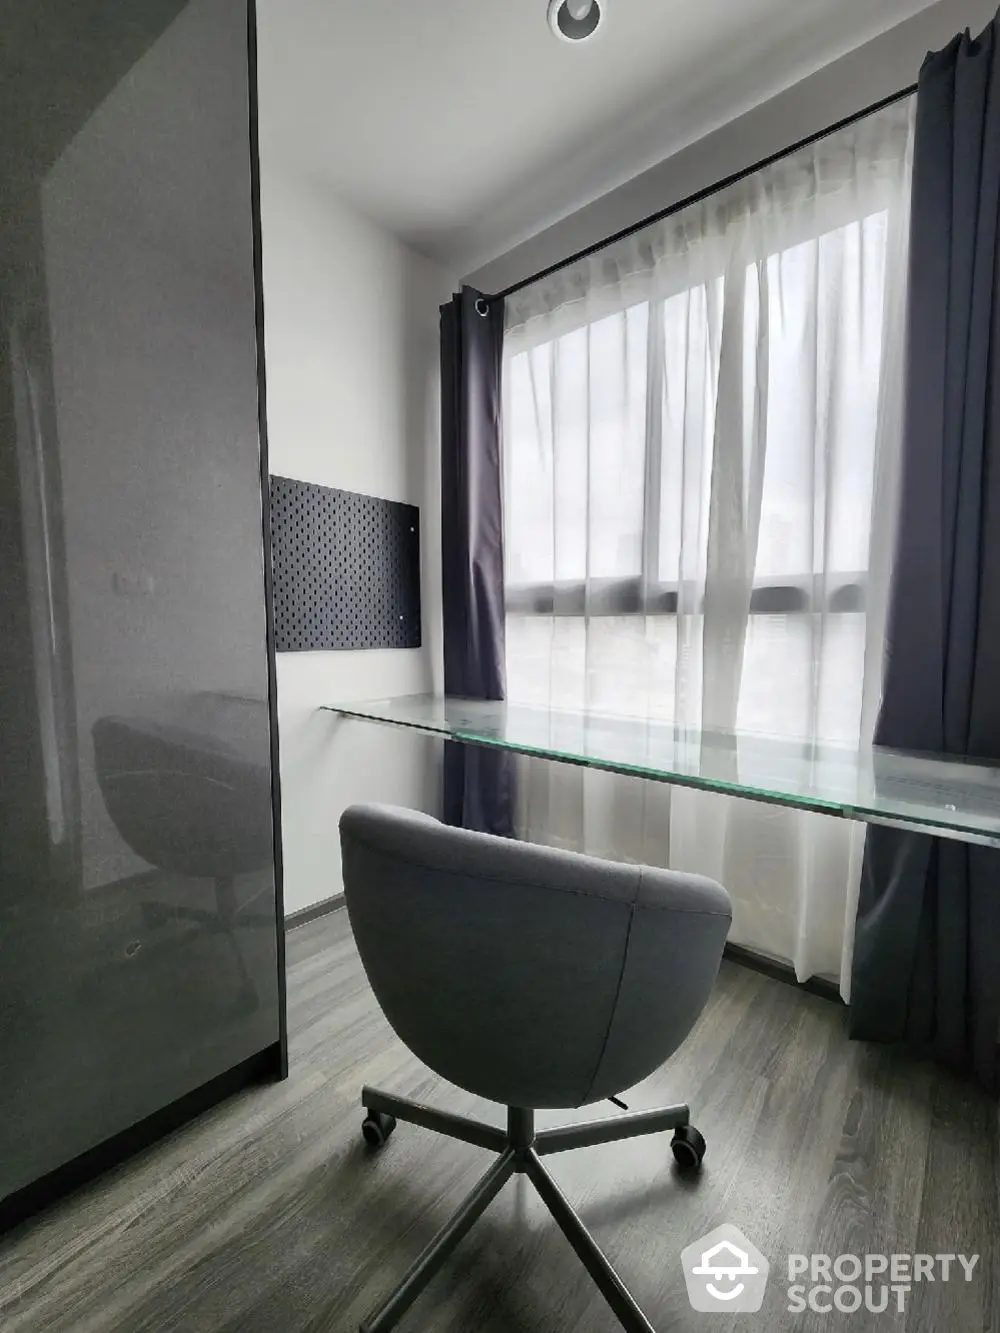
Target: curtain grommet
<point>482,307</point>
<point>574,22</point>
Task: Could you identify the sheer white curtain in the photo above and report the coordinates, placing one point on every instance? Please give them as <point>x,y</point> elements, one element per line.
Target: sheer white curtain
<point>701,430</point>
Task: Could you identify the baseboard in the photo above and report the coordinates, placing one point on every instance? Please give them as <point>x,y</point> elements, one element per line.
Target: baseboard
<point>771,967</point>
<point>306,914</point>
<point>264,1067</point>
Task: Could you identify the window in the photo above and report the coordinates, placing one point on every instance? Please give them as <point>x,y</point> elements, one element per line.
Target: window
<point>690,477</point>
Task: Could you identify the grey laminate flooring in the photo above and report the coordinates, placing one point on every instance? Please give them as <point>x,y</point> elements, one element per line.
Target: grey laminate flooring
<point>269,1216</point>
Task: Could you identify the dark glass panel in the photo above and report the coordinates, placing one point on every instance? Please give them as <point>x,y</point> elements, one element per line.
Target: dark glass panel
<point>137,888</point>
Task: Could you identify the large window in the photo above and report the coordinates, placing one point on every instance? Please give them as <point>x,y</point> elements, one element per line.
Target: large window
<point>701,429</point>
<point>704,457</point>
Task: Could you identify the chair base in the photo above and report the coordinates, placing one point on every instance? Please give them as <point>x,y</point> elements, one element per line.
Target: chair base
<point>520,1150</point>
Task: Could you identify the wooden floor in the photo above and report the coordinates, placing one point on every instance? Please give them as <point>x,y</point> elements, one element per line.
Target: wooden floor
<point>269,1216</point>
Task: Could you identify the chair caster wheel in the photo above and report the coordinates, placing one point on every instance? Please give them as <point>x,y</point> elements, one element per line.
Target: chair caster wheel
<point>376,1128</point>
<point>688,1147</point>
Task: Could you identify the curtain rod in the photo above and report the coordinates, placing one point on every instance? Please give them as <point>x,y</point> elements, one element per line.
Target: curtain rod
<point>699,195</point>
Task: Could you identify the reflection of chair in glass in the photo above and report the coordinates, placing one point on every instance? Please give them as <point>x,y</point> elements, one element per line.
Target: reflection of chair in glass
<point>193,806</point>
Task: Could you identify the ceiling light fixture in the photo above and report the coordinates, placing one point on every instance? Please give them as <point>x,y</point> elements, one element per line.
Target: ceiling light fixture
<point>574,20</point>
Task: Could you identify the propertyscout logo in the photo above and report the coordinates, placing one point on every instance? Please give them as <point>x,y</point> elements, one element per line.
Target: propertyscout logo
<point>875,1282</point>
<point>724,1271</point>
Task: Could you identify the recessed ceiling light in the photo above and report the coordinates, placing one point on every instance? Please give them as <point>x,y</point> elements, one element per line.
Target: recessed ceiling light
<point>574,20</point>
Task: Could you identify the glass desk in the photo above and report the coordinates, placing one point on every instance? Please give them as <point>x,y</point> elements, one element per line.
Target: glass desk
<point>950,797</point>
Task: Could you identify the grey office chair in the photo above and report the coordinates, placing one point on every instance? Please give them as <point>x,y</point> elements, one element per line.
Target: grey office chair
<point>194,805</point>
<point>534,978</point>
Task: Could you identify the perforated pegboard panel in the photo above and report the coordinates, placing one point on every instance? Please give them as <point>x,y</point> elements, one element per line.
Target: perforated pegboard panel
<point>346,569</point>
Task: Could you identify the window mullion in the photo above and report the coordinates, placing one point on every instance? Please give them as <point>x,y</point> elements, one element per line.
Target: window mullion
<point>654,450</point>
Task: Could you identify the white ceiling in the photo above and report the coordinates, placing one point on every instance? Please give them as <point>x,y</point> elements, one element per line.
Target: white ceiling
<point>464,126</point>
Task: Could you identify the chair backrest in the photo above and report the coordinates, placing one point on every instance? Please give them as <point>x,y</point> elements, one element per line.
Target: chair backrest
<point>529,976</point>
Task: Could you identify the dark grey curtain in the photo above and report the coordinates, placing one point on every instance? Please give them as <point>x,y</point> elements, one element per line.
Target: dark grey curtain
<point>927,951</point>
<point>478,783</point>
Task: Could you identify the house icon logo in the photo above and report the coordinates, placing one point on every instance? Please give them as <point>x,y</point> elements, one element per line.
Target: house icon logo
<point>724,1271</point>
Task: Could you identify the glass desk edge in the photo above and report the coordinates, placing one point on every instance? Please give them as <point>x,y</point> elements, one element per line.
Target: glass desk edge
<point>403,712</point>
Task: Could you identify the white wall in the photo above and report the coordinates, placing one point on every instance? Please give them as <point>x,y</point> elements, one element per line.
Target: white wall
<point>351,338</point>
<point>873,71</point>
